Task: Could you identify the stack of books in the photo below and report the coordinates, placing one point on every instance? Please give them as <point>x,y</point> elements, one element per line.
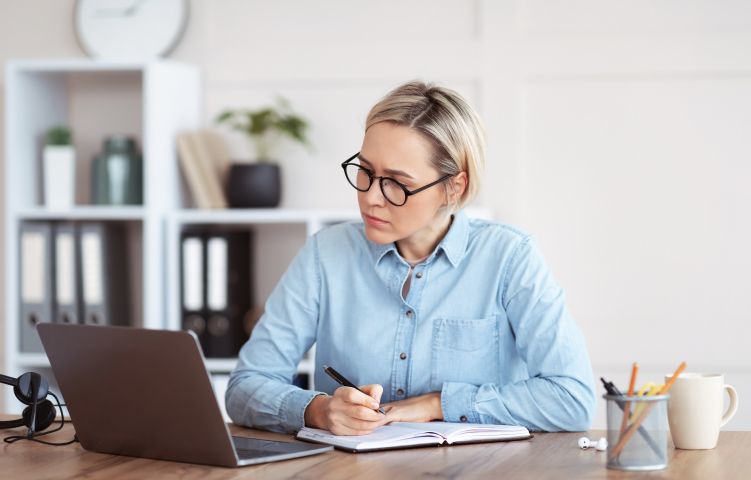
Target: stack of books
<point>205,162</point>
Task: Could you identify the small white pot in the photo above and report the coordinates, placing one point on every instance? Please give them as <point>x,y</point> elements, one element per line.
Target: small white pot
<point>59,176</point>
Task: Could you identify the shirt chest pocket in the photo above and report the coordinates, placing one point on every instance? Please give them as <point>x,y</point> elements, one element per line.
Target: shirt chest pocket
<point>464,350</point>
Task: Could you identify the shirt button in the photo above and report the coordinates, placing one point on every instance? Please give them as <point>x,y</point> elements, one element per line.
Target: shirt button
<point>410,313</point>
<point>403,355</point>
<point>400,392</point>
<point>463,418</point>
<point>418,275</point>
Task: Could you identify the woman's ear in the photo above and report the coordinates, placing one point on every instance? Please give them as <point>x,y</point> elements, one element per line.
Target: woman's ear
<point>457,187</point>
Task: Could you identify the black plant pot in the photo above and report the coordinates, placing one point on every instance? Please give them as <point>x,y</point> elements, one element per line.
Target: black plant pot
<point>254,185</point>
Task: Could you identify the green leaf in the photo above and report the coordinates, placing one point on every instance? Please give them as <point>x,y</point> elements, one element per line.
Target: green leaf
<point>59,135</point>
<point>224,116</point>
<point>260,124</point>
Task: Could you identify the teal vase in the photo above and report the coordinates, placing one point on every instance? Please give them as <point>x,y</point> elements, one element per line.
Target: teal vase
<point>117,173</point>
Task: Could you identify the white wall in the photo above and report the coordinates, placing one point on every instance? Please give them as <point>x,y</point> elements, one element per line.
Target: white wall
<point>617,131</point>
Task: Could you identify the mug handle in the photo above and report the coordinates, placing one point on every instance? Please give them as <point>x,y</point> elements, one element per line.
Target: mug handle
<point>732,407</point>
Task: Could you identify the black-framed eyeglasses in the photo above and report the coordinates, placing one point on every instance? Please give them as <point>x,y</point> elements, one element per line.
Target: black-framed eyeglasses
<point>394,192</point>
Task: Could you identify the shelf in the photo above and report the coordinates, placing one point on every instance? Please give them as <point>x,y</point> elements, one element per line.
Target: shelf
<point>307,365</point>
<point>32,360</point>
<point>86,212</point>
<point>226,365</point>
<point>220,365</point>
<point>311,216</point>
<point>213,365</point>
<point>80,65</point>
<point>263,215</point>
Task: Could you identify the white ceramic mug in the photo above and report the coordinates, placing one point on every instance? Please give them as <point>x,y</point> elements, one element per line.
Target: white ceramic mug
<point>695,409</point>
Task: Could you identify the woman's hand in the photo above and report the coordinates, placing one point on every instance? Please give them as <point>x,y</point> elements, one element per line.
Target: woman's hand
<point>424,408</point>
<point>347,412</point>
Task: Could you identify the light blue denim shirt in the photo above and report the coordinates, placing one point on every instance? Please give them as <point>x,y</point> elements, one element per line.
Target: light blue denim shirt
<point>484,323</point>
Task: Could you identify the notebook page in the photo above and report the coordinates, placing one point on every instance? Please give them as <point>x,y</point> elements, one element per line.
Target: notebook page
<point>463,432</point>
<point>382,437</point>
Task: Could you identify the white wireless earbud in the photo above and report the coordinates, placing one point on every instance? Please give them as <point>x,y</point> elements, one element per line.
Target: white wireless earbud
<point>600,445</point>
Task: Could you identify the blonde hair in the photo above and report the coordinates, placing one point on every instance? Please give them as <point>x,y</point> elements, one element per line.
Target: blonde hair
<point>447,121</point>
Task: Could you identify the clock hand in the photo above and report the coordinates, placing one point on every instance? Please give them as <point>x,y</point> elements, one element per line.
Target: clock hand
<point>132,9</point>
<point>118,12</point>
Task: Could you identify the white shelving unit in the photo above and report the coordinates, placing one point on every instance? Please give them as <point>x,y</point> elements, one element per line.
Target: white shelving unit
<point>151,101</point>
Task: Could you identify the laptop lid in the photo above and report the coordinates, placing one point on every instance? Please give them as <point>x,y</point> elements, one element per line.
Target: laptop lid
<point>138,392</point>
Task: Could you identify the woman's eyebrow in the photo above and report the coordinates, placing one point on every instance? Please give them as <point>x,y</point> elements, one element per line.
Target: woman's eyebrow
<point>389,171</point>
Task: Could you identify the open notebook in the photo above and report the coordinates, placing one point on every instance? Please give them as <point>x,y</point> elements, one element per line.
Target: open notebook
<point>404,435</point>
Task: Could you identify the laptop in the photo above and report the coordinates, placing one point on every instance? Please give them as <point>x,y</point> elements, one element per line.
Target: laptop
<point>146,393</point>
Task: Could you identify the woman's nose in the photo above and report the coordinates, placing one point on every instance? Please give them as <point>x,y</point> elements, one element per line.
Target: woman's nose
<point>374,196</point>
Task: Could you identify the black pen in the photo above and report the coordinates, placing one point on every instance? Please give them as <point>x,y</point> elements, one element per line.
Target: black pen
<point>344,382</point>
<point>610,387</point>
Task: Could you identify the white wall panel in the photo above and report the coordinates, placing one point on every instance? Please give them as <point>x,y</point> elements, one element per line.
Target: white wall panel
<point>605,17</point>
<point>254,21</point>
<point>646,224</point>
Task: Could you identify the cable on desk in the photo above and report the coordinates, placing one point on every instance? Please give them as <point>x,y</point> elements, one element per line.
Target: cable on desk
<point>34,436</point>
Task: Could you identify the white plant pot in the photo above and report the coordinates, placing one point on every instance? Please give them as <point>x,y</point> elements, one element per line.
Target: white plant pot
<point>59,176</point>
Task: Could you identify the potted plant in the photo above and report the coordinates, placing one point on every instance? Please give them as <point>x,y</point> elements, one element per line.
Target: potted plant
<point>59,163</point>
<point>259,184</point>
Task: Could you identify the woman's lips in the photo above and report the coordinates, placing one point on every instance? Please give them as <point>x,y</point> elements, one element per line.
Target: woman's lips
<point>374,221</point>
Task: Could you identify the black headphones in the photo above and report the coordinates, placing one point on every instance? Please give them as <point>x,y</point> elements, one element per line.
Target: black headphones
<point>31,389</point>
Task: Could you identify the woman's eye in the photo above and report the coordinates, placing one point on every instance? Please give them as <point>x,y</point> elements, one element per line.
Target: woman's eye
<point>408,185</point>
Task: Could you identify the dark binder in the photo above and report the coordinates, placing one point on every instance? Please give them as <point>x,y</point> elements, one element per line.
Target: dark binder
<point>226,287</point>
<point>35,281</point>
<point>104,273</point>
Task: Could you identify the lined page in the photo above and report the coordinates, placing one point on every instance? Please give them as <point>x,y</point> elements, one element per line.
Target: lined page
<point>463,432</point>
<point>382,437</point>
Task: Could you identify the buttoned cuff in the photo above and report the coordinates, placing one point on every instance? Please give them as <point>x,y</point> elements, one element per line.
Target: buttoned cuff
<point>294,405</point>
<point>458,402</point>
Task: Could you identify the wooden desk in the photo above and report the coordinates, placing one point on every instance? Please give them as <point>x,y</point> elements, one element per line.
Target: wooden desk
<point>548,455</point>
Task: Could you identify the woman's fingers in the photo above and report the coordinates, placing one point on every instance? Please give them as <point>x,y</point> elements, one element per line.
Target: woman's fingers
<point>352,412</point>
<point>352,395</point>
<point>363,413</point>
<point>360,426</point>
<point>374,390</point>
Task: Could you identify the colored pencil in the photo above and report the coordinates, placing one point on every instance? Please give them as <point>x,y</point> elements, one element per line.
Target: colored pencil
<point>627,407</point>
<point>638,421</point>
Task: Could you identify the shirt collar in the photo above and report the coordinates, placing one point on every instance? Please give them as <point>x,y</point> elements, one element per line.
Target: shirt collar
<point>453,244</point>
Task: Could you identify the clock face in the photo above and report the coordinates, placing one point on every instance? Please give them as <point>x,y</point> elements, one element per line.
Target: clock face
<point>130,29</point>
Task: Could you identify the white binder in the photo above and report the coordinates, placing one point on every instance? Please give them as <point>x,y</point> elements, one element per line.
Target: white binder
<point>216,273</point>
<point>104,274</point>
<point>37,286</point>
<point>66,306</point>
<point>192,291</point>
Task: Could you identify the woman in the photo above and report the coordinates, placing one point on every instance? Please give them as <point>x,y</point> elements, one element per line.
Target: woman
<point>443,317</point>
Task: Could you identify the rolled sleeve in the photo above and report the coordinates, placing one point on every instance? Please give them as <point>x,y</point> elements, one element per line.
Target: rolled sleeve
<point>559,395</point>
<point>294,407</point>
<point>458,402</point>
<point>559,392</point>
<point>260,393</point>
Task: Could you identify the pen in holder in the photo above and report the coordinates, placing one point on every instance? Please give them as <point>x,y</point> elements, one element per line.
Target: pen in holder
<point>648,451</point>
